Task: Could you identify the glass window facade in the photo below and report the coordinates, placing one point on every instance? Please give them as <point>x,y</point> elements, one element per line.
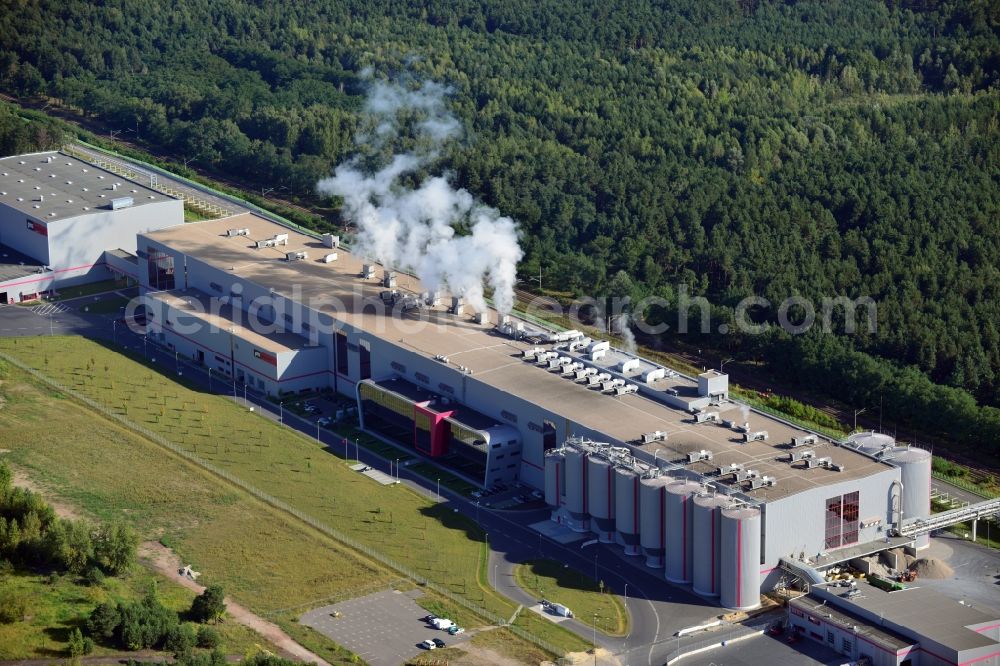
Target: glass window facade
<point>842,513</point>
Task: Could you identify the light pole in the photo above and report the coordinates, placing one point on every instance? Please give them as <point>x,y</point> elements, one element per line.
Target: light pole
<point>595,638</point>
<point>630,626</point>
<point>723,364</point>
<point>281,413</point>
<point>477,512</point>
<point>209,379</point>
<point>144,340</point>
<point>397,469</point>
<point>495,567</point>
<point>177,363</point>
<point>317,431</point>
<point>856,412</point>
<point>245,403</point>
<point>357,455</point>
<point>51,332</point>
<point>114,331</point>
<point>439,490</point>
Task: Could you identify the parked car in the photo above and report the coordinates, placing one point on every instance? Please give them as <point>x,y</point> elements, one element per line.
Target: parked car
<point>455,630</point>
<point>428,645</point>
<point>428,618</point>
<point>324,421</point>
<point>438,642</point>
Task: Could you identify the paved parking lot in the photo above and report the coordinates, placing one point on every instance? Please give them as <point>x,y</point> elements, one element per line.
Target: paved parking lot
<point>383,628</point>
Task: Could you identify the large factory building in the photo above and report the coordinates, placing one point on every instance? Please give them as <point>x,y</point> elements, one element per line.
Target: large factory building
<point>720,497</point>
<point>64,222</point>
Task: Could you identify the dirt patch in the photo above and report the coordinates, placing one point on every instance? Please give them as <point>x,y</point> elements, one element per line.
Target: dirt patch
<point>163,560</point>
<point>932,568</point>
<point>63,510</point>
<point>603,657</point>
<point>473,655</point>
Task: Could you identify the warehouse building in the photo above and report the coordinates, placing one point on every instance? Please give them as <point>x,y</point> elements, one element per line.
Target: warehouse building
<point>720,497</point>
<point>909,627</point>
<point>66,222</point>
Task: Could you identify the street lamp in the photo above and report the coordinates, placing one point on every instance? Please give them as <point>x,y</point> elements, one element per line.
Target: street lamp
<point>495,567</point>
<point>144,340</point>
<point>114,329</point>
<point>397,469</point>
<point>281,413</point>
<point>439,490</point>
<point>723,364</point>
<point>595,638</point>
<point>856,412</point>
<point>357,456</point>
<point>317,431</point>
<point>177,363</point>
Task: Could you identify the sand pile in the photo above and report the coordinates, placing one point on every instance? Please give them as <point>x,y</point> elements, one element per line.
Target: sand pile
<point>931,567</point>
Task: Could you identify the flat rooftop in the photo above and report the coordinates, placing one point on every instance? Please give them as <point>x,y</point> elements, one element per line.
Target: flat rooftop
<point>14,265</point>
<point>495,359</point>
<point>53,186</point>
<point>199,305</point>
<point>926,612</point>
<point>847,620</point>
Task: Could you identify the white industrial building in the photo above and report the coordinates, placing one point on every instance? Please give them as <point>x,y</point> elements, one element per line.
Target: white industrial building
<point>65,222</point>
<point>725,499</point>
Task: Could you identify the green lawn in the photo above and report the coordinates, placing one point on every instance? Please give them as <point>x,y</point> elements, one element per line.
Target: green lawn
<point>547,579</point>
<point>67,293</point>
<point>429,538</point>
<point>110,305</point>
<point>58,604</point>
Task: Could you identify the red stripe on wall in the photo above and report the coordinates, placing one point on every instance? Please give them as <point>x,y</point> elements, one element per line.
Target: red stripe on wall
<point>739,566</point>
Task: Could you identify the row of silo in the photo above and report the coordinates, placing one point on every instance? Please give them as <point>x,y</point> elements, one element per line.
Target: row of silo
<point>701,539</point>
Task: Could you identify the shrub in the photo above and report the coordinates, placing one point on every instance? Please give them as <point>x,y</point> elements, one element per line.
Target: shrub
<point>209,605</point>
<point>180,641</point>
<point>208,638</point>
<point>13,606</point>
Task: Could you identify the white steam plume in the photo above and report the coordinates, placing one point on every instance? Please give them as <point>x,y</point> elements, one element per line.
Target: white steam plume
<point>628,338</point>
<point>414,229</point>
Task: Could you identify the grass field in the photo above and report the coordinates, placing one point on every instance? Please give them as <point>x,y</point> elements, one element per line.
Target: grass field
<point>67,293</point>
<point>547,579</point>
<point>59,604</point>
<point>110,305</point>
<point>210,522</point>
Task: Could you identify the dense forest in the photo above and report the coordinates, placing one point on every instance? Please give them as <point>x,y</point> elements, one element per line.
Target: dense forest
<point>733,147</point>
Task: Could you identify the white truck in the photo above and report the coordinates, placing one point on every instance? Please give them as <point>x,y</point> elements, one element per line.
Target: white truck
<point>442,623</point>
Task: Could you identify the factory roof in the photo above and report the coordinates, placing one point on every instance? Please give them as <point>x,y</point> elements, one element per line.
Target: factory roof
<point>924,612</point>
<point>855,623</point>
<point>200,305</point>
<point>495,359</point>
<point>53,186</point>
<point>14,264</point>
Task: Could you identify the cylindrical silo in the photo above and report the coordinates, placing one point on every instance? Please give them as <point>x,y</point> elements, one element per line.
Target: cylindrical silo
<point>601,498</point>
<point>627,509</point>
<point>576,490</point>
<point>652,499</point>
<point>555,484</point>
<point>678,530</point>
<point>871,442</point>
<point>706,535</point>
<point>739,573</point>
<point>915,475</point>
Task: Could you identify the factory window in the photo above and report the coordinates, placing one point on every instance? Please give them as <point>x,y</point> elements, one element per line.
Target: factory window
<point>341,352</point>
<point>366,363</point>
<point>496,446</point>
<point>500,456</point>
<point>446,388</point>
<point>846,647</point>
<point>829,637</point>
<point>217,287</point>
<point>851,515</point>
<point>833,522</point>
<point>398,367</point>
<point>509,416</point>
<point>512,466</point>
<point>287,317</point>
<point>421,377</point>
<point>305,326</point>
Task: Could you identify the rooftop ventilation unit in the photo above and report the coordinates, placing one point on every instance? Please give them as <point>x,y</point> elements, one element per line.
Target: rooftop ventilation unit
<point>655,436</point>
<point>762,482</point>
<point>121,202</point>
<point>389,296</point>
<point>559,362</point>
<point>331,241</point>
<point>697,456</point>
<point>730,469</point>
<point>457,305</point>
<point>602,345</point>
<point>626,389</point>
<point>577,344</point>
<point>600,378</point>
<point>530,354</point>
<point>411,302</point>
<point>796,456</point>
<point>583,373</point>
<point>818,462</point>
<point>597,355</point>
<point>330,258</point>
<point>280,239</point>
<point>432,298</point>
<point>295,256</point>
<point>705,417</point>
<point>442,358</point>
<point>628,366</point>
<point>611,384</point>
<point>570,369</point>
<point>803,441</point>
<point>237,232</point>
<point>367,271</point>
<point>389,279</point>
<point>650,376</point>
<point>759,436</point>
<point>483,318</point>
<point>542,358</point>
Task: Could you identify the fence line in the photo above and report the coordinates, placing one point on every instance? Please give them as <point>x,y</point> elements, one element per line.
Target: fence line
<point>335,534</point>
<point>963,484</point>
